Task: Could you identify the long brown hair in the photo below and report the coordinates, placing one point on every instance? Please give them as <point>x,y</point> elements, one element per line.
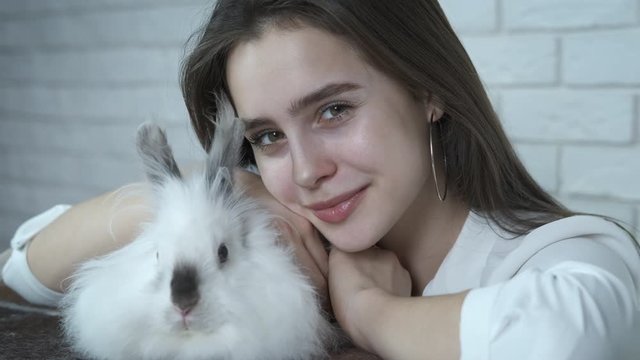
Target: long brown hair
<point>411,41</point>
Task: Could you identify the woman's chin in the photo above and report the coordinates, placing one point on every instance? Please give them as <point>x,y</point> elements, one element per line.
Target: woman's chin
<point>348,241</point>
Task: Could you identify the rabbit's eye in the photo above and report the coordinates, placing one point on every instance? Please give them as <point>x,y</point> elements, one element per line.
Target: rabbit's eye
<point>223,253</point>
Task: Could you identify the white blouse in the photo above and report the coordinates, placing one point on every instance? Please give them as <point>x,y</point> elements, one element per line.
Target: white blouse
<point>567,290</point>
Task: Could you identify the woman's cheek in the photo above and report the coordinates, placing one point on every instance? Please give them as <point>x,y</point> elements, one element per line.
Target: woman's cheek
<point>277,181</point>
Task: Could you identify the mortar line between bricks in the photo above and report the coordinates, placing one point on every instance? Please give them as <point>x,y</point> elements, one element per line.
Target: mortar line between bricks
<point>9,150</point>
<point>636,123</point>
<point>90,85</point>
<point>76,185</point>
<point>573,30</point>
<point>93,119</point>
<point>609,199</point>
<point>575,143</point>
<point>565,86</point>
<point>72,11</point>
<point>72,119</point>
<point>600,200</point>
<point>123,155</point>
<point>23,120</point>
<point>41,185</point>
<point>603,86</point>
<point>500,26</point>
<point>559,60</point>
<point>559,152</point>
<point>496,103</point>
<point>100,46</point>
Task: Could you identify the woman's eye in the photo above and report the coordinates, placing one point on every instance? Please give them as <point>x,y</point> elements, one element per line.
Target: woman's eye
<point>266,138</point>
<point>334,111</point>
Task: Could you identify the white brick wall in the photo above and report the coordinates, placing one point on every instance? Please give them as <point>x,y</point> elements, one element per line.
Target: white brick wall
<point>565,78</point>
<point>117,66</point>
<point>602,172</point>
<point>524,59</point>
<point>568,14</point>
<point>568,115</point>
<point>605,57</point>
<point>541,160</point>
<point>77,77</point>
<point>482,18</point>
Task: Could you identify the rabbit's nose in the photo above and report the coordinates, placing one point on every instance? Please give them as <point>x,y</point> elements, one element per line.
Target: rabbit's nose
<point>184,288</point>
<point>186,304</point>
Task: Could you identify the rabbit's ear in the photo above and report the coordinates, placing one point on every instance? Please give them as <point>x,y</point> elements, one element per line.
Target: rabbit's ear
<point>226,146</point>
<point>156,154</point>
<point>223,182</point>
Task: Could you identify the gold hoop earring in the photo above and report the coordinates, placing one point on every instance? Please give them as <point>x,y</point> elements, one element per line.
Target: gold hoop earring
<point>433,166</point>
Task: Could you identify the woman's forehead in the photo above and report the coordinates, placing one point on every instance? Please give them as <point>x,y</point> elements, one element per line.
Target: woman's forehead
<point>284,64</point>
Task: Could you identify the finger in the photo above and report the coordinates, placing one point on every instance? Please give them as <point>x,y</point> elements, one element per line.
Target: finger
<point>312,241</point>
<point>311,270</point>
<point>290,236</point>
<point>316,249</point>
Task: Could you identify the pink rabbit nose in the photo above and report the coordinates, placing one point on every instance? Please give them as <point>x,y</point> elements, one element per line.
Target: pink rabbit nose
<point>186,306</point>
<point>184,288</point>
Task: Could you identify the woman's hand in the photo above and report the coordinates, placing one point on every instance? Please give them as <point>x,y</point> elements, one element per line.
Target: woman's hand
<point>358,279</point>
<point>295,230</point>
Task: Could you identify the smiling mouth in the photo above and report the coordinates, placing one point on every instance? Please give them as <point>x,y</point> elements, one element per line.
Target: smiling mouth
<point>339,208</point>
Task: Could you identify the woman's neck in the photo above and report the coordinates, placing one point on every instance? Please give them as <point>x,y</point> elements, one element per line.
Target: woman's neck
<point>425,234</point>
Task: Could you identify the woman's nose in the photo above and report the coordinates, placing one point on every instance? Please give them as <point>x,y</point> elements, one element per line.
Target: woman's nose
<point>311,164</point>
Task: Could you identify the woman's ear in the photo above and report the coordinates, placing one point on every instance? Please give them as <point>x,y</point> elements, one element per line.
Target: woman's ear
<point>433,107</point>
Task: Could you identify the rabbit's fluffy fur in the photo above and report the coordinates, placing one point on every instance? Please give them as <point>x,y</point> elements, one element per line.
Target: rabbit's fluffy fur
<point>209,252</point>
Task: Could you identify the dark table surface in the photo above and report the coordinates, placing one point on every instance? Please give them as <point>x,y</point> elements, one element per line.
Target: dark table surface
<point>28,332</point>
<point>31,332</point>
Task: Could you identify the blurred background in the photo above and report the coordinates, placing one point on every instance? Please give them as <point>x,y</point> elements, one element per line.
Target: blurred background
<point>77,77</point>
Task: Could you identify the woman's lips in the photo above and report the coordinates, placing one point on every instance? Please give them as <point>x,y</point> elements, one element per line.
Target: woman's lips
<point>339,208</point>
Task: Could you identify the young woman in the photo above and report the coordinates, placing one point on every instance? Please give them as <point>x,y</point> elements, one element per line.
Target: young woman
<point>367,120</point>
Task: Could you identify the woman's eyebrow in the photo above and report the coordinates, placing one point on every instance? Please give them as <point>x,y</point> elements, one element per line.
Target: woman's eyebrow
<point>250,124</point>
<point>299,104</point>
<point>318,95</point>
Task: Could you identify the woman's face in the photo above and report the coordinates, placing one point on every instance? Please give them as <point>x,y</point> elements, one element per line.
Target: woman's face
<point>335,140</point>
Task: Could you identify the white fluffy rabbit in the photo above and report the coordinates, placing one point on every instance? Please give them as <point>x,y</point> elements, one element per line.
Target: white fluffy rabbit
<point>206,279</point>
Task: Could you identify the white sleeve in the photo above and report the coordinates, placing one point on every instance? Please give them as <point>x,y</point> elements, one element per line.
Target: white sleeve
<point>16,273</point>
<point>584,307</point>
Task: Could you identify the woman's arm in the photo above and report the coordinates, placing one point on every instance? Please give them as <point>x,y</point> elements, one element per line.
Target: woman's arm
<point>370,293</point>
<point>413,327</point>
<point>110,221</point>
<point>573,300</point>
<point>91,228</point>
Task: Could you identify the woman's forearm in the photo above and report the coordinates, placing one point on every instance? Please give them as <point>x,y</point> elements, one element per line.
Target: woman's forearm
<point>413,327</point>
<point>91,228</point>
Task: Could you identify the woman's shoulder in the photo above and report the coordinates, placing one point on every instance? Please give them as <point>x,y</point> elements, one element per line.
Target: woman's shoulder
<point>579,226</point>
<point>579,230</point>
<point>585,238</point>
